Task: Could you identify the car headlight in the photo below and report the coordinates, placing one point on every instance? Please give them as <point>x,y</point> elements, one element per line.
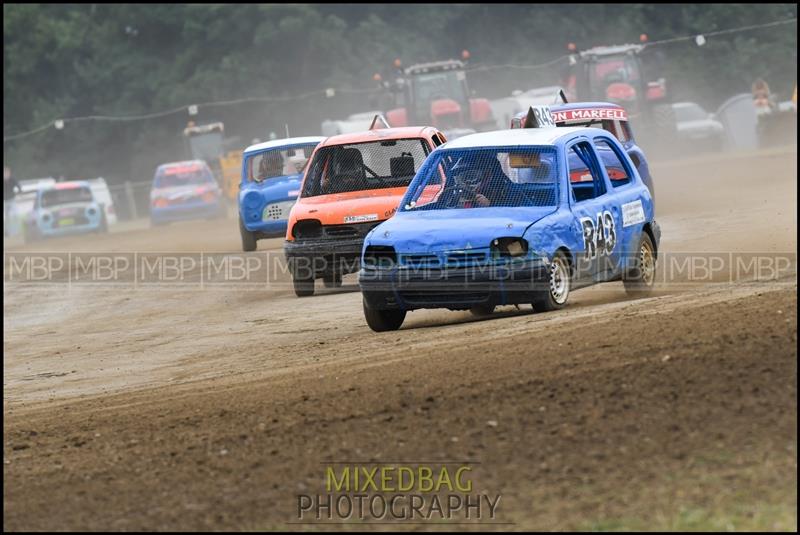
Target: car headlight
<point>509,247</point>
<point>380,256</point>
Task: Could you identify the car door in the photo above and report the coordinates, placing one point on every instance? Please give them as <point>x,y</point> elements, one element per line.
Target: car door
<point>593,219</point>
<point>625,198</point>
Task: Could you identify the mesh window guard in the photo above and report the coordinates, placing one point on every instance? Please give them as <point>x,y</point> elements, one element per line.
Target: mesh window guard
<point>481,178</point>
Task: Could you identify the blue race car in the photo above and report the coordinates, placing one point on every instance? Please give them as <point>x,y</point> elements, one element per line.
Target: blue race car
<point>64,208</point>
<point>185,190</point>
<point>498,218</point>
<point>271,179</point>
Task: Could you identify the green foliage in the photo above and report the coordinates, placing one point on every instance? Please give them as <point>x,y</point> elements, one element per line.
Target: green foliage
<point>66,60</point>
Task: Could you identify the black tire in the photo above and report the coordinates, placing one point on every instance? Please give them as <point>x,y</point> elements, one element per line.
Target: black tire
<point>383,320</point>
<point>332,280</point>
<point>481,311</point>
<point>249,241</point>
<point>303,287</point>
<point>559,283</point>
<point>641,278</point>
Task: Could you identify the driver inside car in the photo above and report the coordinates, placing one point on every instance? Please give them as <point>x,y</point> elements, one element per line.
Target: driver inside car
<point>481,182</point>
<point>271,166</point>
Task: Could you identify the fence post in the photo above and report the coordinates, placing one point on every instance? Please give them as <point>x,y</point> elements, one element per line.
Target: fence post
<point>131,200</point>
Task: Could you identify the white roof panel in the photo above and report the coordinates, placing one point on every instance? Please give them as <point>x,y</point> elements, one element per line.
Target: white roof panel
<point>517,136</point>
<point>275,143</point>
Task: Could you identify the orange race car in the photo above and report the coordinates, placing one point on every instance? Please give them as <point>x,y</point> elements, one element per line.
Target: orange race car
<point>352,183</point>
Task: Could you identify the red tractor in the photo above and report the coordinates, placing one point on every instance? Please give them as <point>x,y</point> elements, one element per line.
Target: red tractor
<point>436,94</point>
<point>625,75</point>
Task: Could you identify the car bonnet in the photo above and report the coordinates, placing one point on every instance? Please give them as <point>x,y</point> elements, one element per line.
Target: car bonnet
<point>445,230</point>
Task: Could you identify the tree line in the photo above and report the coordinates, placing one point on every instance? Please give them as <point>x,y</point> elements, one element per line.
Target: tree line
<point>65,60</point>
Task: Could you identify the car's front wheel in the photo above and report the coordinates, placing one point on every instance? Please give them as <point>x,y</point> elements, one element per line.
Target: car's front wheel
<point>641,278</point>
<point>332,280</point>
<point>383,320</point>
<point>303,287</point>
<point>481,311</point>
<point>554,293</point>
<point>249,241</point>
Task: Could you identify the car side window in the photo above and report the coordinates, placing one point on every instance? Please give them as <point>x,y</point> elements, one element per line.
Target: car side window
<point>586,181</point>
<point>622,131</point>
<point>615,168</point>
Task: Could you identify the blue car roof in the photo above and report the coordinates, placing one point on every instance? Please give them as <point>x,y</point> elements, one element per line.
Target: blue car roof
<point>286,142</point>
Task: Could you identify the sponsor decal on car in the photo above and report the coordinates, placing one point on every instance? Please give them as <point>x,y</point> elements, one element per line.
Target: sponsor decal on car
<point>360,218</point>
<point>632,213</point>
<point>590,113</point>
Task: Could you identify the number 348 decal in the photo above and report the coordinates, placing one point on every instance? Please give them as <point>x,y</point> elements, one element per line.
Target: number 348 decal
<point>599,238</point>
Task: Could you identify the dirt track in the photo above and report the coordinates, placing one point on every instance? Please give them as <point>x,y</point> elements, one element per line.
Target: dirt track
<point>182,408</point>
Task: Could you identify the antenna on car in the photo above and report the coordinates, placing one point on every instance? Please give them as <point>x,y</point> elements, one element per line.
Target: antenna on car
<point>563,96</point>
<point>530,120</point>
<point>382,119</point>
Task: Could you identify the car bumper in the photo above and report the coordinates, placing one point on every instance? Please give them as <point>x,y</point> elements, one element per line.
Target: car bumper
<point>185,212</point>
<point>47,232</point>
<point>324,256</point>
<point>271,228</point>
<point>454,288</point>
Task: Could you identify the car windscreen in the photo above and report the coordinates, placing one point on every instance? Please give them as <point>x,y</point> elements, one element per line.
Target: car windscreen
<point>388,163</point>
<point>182,176</point>
<point>278,162</point>
<point>485,177</point>
<point>55,197</point>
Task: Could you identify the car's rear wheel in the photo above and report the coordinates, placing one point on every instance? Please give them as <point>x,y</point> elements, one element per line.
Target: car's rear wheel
<point>383,320</point>
<point>481,311</point>
<point>641,278</point>
<point>249,241</point>
<point>555,293</point>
